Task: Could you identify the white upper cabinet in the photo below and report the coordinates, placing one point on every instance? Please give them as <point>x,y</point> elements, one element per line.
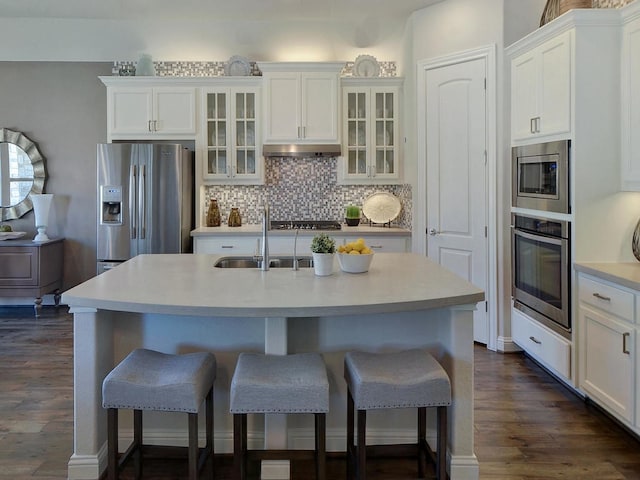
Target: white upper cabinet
<point>541,82</point>
<point>630,104</point>
<point>301,102</point>
<point>231,150</point>
<point>139,108</point>
<point>371,131</point>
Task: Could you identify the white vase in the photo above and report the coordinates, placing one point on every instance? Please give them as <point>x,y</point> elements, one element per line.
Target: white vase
<point>41,206</point>
<point>323,263</point>
<point>145,67</point>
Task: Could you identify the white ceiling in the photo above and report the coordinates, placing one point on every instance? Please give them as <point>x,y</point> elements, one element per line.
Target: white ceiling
<point>219,10</point>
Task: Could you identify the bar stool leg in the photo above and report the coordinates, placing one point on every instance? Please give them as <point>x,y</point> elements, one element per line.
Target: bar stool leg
<point>362,445</point>
<point>422,440</point>
<point>137,441</point>
<point>441,463</point>
<point>321,453</point>
<point>193,446</point>
<point>239,445</point>
<point>209,429</point>
<point>350,435</point>
<point>112,443</point>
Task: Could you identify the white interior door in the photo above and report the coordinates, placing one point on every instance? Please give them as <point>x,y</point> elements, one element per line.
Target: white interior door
<point>456,175</point>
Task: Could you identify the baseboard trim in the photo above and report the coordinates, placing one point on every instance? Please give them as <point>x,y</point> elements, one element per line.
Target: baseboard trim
<point>83,467</point>
<point>507,345</point>
<point>464,467</point>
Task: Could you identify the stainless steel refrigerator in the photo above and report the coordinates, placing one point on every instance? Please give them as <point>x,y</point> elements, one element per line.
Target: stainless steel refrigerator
<point>145,201</point>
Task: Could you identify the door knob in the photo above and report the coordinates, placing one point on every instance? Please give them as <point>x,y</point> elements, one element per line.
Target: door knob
<point>433,232</point>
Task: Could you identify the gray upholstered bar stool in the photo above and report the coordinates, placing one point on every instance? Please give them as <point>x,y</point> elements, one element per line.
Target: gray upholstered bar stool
<point>410,378</point>
<point>150,380</point>
<point>294,383</point>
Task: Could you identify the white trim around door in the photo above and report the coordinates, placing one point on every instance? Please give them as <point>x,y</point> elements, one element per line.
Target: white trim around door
<point>419,243</point>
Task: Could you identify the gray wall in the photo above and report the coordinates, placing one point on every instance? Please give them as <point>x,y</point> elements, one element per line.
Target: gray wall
<point>62,107</point>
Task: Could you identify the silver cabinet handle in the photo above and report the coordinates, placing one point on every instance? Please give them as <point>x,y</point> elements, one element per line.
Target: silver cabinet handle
<point>149,125</point>
<point>155,125</point>
<point>532,123</point>
<point>375,246</point>
<point>625,350</point>
<point>535,340</point>
<point>602,297</point>
<point>227,246</point>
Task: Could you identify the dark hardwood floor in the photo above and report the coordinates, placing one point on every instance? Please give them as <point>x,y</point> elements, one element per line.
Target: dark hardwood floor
<point>527,426</point>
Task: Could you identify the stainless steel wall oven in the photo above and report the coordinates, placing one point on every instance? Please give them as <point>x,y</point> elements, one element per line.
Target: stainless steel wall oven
<point>541,176</point>
<point>541,270</point>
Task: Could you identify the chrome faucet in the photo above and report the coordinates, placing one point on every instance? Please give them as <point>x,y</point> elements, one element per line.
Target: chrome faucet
<point>265,240</point>
<point>295,246</point>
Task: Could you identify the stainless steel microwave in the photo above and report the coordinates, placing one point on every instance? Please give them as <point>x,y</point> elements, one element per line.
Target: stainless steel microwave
<point>541,176</point>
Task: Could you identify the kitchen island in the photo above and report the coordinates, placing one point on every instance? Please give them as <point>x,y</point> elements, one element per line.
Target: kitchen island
<point>182,303</point>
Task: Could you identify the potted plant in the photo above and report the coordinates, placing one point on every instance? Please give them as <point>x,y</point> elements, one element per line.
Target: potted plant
<point>323,248</point>
<point>352,215</point>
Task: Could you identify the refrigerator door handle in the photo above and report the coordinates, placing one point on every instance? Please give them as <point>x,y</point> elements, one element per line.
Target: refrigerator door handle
<point>141,202</point>
<point>132,198</point>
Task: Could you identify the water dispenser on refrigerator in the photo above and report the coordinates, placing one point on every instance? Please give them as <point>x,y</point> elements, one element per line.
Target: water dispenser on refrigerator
<point>111,211</point>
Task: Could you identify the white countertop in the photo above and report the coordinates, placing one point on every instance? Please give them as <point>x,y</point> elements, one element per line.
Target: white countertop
<point>189,285</point>
<point>626,274</point>
<point>256,229</point>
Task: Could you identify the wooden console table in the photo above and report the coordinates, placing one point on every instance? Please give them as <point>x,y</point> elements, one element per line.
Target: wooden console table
<point>31,269</point>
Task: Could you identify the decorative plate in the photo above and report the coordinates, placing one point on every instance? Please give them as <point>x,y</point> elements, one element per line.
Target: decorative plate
<point>366,66</point>
<point>237,66</point>
<point>381,207</point>
<point>11,235</point>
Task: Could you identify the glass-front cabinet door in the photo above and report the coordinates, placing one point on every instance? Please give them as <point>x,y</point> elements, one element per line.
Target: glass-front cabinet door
<point>371,134</point>
<point>232,145</point>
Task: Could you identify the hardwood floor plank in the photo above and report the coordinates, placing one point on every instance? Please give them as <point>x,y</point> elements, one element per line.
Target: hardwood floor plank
<point>527,425</point>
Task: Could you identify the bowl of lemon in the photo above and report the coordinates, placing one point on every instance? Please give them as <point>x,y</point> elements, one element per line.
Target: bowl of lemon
<point>355,257</point>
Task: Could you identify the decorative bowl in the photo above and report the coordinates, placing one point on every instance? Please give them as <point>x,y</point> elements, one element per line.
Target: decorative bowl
<point>354,263</point>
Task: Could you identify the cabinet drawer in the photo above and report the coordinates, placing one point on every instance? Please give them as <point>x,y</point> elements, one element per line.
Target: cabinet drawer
<point>19,266</point>
<point>548,348</point>
<point>606,297</point>
<point>381,244</point>
<point>226,245</point>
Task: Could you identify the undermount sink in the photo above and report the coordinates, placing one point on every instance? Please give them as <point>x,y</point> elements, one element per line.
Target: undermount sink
<point>251,262</point>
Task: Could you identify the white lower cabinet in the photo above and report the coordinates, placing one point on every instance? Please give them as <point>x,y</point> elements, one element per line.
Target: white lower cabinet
<point>380,244</point>
<point>284,244</point>
<point>546,346</point>
<point>607,336</point>
<point>606,361</point>
<point>221,245</point>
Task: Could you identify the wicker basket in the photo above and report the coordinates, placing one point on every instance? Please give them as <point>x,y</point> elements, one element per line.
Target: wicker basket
<point>555,8</point>
<point>566,5</point>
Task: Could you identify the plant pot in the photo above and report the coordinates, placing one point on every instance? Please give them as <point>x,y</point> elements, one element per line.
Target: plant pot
<point>323,264</point>
<point>352,222</point>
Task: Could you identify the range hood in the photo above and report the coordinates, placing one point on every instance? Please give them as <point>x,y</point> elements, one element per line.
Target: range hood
<point>297,150</point>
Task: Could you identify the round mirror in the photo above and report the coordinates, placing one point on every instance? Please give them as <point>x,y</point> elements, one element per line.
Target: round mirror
<point>21,173</point>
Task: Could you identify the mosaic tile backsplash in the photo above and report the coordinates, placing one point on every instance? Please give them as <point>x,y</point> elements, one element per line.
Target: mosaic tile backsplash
<point>216,69</point>
<point>302,189</point>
